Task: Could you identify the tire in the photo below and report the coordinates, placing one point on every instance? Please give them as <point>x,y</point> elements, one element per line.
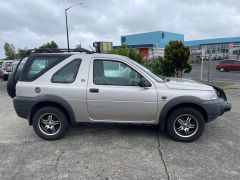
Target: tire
<point>45,118</point>
<point>221,69</point>
<point>5,77</point>
<point>181,128</point>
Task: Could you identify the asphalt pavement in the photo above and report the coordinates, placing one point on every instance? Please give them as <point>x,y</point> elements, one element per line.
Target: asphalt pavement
<point>216,75</point>
<point>100,151</point>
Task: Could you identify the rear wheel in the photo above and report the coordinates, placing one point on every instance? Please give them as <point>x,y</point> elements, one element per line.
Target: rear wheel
<point>185,124</point>
<point>50,123</point>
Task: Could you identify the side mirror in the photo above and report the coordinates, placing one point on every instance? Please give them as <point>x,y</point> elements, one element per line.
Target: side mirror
<point>144,83</point>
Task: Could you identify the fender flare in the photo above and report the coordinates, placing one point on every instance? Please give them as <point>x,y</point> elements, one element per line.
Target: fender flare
<point>48,98</point>
<point>176,102</point>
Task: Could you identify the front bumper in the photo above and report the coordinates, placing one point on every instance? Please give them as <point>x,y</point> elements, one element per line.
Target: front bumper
<point>215,108</point>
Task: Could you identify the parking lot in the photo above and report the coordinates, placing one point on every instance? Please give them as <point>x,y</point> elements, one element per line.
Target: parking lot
<point>100,151</point>
<point>216,75</point>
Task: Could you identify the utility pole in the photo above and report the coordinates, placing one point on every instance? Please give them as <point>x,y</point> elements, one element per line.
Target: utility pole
<point>210,65</point>
<point>67,28</point>
<point>66,18</point>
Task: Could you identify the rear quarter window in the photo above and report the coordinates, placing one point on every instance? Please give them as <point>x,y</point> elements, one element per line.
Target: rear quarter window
<point>37,65</point>
<point>68,73</point>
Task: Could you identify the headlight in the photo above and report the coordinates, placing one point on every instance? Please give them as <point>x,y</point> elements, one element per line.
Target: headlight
<point>213,94</point>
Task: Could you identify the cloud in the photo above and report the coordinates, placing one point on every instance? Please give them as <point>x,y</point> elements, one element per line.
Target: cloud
<point>27,23</point>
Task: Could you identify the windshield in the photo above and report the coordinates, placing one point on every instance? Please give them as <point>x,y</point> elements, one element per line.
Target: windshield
<point>154,76</point>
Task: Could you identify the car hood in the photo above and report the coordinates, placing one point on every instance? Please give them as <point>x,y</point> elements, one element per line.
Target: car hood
<point>178,83</point>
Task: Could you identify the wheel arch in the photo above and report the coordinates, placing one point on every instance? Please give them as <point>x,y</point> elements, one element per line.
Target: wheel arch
<point>185,101</point>
<point>54,101</point>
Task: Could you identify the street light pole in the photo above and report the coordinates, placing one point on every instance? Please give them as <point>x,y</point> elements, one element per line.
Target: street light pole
<point>66,17</point>
<point>67,28</point>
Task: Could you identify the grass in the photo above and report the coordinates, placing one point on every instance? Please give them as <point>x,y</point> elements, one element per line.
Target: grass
<point>229,89</point>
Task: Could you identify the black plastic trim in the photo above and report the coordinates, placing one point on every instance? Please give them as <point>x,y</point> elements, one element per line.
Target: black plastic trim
<point>212,108</point>
<point>24,105</point>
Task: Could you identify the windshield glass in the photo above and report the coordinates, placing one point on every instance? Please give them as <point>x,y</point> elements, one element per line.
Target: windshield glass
<point>154,76</point>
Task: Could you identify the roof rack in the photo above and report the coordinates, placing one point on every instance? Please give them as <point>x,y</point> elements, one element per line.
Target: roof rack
<point>48,50</point>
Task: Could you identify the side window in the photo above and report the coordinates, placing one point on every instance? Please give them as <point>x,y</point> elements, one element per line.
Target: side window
<point>38,65</point>
<point>68,73</point>
<point>236,62</point>
<point>107,72</point>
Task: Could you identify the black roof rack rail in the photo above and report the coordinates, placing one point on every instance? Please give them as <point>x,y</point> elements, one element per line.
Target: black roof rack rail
<point>49,50</point>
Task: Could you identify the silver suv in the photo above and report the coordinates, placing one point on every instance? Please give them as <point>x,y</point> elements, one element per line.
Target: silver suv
<point>56,89</point>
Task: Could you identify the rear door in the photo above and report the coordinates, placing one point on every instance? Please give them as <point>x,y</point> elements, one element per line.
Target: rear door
<point>113,93</point>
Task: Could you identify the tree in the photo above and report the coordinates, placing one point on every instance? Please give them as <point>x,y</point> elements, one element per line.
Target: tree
<point>21,53</point>
<point>135,55</point>
<point>52,45</point>
<point>154,65</point>
<point>120,51</point>
<point>10,51</point>
<point>177,55</point>
<point>167,67</point>
<point>131,53</point>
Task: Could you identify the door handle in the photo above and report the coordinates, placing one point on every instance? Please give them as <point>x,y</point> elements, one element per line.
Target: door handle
<point>94,90</point>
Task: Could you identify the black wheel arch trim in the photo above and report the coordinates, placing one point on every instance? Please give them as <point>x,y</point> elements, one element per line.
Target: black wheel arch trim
<point>24,106</point>
<point>178,101</point>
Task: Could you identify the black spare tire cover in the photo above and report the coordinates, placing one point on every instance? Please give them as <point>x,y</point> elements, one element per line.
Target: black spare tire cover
<point>11,85</point>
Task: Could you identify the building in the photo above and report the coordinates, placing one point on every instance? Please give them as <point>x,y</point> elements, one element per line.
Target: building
<point>221,48</point>
<point>152,44</point>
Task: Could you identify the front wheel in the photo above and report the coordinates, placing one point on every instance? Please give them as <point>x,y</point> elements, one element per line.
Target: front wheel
<point>222,69</point>
<point>50,123</point>
<point>185,124</point>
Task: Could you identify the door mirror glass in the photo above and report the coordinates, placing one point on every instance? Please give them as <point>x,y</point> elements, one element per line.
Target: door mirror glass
<point>144,83</point>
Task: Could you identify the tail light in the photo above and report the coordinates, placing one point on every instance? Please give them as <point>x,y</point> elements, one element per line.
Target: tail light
<point>6,68</point>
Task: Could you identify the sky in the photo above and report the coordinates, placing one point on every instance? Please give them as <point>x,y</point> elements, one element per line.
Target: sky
<point>30,23</point>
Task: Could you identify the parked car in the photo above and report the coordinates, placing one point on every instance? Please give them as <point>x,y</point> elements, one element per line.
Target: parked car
<point>5,69</point>
<point>228,65</point>
<point>15,63</point>
<point>1,61</point>
<point>55,90</point>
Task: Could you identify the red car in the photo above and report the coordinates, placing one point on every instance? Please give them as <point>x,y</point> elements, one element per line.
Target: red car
<point>228,65</point>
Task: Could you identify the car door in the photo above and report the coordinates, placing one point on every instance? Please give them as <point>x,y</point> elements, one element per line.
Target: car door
<point>231,65</point>
<point>237,65</point>
<point>114,94</point>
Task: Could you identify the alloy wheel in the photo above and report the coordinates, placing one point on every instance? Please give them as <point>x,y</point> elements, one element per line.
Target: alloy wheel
<point>185,125</point>
<point>49,124</point>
